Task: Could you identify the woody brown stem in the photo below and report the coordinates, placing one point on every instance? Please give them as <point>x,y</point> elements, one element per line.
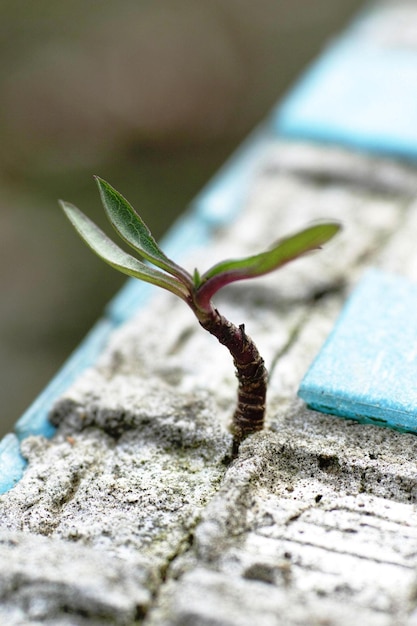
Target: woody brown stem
<point>250,371</point>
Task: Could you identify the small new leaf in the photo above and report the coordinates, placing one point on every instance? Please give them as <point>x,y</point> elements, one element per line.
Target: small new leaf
<point>107,250</point>
<point>135,232</point>
<point>196,278</point>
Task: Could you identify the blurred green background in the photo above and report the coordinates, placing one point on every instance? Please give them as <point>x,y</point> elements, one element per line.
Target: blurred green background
<point>152,95</point>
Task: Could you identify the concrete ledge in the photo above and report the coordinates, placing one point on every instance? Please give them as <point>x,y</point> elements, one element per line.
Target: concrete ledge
<point>316,513</point>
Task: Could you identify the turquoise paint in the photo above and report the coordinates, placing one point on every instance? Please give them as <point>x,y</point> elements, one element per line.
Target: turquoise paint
<point>35,420</point>
<point>12,464</point>
<point>367,368</point>
<point>360,93</point>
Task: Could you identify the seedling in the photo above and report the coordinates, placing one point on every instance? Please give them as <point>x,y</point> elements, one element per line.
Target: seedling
<point>197,290</point>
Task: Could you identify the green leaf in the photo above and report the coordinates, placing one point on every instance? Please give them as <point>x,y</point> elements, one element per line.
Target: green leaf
<point>282,252</point>
<point>135,232</point>
<point>107,250</point>
<point>196,278</point>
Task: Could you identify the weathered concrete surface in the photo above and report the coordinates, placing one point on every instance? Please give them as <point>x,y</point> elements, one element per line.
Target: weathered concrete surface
<point>45,581</point>
<point>306,529</point>
<point>314,522</point>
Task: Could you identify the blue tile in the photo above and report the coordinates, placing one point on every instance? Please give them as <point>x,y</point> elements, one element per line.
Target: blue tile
<point>359,93</point>
<point>12,464</point>
<point>367,368</point>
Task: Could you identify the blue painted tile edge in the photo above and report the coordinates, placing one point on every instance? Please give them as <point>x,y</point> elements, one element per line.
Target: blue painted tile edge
<point>294,123</point>
<point>193,229</point>
<point>12,464</point>
<point>368,407</point>
<point>364,413</point>
<point>35,420</point>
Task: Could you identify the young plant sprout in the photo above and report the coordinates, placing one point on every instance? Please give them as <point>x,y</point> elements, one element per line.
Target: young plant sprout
<point>197,290</point>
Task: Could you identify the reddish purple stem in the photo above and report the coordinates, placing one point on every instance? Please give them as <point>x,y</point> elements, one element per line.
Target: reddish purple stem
<point>250,371</point>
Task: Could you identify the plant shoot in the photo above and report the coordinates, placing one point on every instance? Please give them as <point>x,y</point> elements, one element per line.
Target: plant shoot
<point>198,289</point>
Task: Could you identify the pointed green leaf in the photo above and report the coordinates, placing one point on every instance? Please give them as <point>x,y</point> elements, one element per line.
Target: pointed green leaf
<point>135,232</point>
<point>282,252</point>
<point>107,250</point>
<point>196,278</point>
